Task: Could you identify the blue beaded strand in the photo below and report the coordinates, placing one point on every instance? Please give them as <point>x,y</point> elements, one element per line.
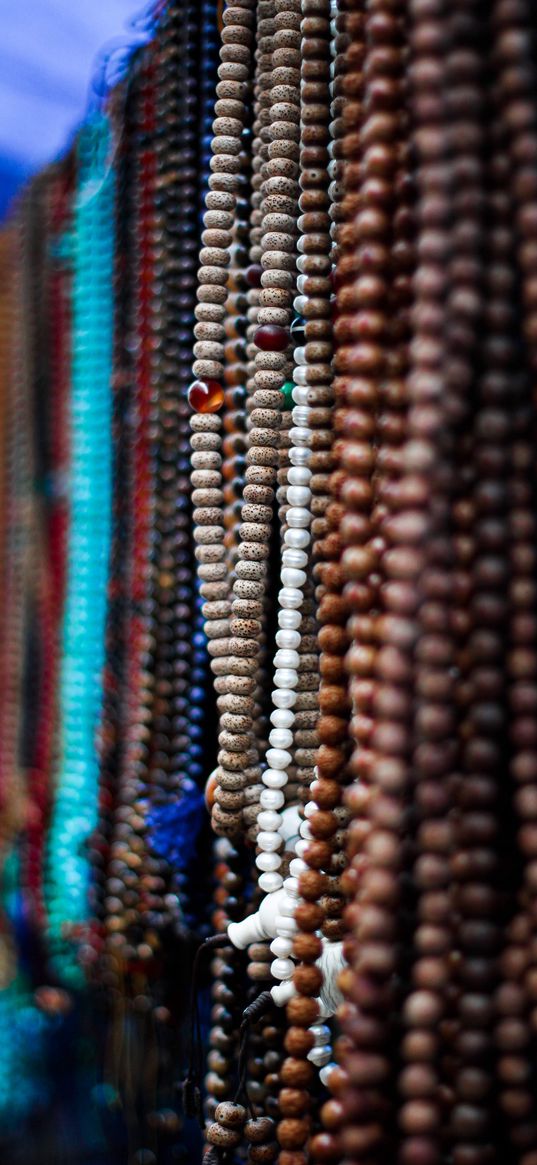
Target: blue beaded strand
<point>83,654</point>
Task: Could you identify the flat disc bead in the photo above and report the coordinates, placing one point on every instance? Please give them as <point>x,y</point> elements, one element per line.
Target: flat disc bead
<point>205,396</point>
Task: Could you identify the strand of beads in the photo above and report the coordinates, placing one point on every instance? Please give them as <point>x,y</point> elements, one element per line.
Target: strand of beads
<point>207,395</point>
<point>472,898</point>
<point>115,671</point>
<point>271,339</point>
<point>331,613</point>
<point>312,376</point>
<point>84,627</point>
<point>176,732</point>
<point>126,845</point>
<point>271,363</point>
<point>513,172</point>
<point>50,537</point>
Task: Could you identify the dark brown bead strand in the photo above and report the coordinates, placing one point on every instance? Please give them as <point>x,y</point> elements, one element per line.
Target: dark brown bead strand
<point>326,518</point>
<point>482,551</point>
<point>176,268</point>
<point>515,111</point>
<point>468,902</point>
<point>378,760</point>
<point>331,609</point>
<point>126,851</point>
<point>228,984</point>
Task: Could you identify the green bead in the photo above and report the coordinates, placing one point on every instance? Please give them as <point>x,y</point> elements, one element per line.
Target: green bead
<point>287,393</point>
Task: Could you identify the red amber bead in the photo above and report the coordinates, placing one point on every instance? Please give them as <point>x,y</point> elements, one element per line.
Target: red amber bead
<point>271,338</point>
<point>253,275</point>
<point>205,396</point>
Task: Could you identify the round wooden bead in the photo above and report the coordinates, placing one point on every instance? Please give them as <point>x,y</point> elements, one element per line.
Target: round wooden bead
<point>230,1115</point>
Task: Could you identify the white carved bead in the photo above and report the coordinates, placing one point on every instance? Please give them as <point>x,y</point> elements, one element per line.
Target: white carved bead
<point>321,1033</point>
<point>278,758</point>
<point>285,677</point>
<point>300,434</point>
<point>274,778</point>
<point>288,906</point>
<point>268,862</point>
<point>270,820</point>
<point>271,799</point>
<point>300,455</point>
<point>282,968</point>
<point>289,620</point>
<point>301,417</point>
<point>297,866</point>
<point>290,821</point>
<point>258,926</point>
<point>288,640</point>
<point>281,947</point>
<point>268,841</point>
<point>270,882</point>
<point>280,738</point>
<point>320,1056</point>
<point>325,1073</point>
<point>284,698</point>
<point>298,495</point>
<point>299,474</point>
<point>298,539</point>
<point>286,926</point>
<point>283,992</point>
<point>298,517</point>
<point>282,717</point>
<point>286,657</point>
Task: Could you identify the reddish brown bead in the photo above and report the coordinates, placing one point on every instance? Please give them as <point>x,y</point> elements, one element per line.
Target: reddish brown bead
<point>205,396</point>
<point>271,338</point>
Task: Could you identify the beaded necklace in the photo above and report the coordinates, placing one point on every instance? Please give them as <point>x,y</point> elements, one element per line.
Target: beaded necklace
<point>89,541</point>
